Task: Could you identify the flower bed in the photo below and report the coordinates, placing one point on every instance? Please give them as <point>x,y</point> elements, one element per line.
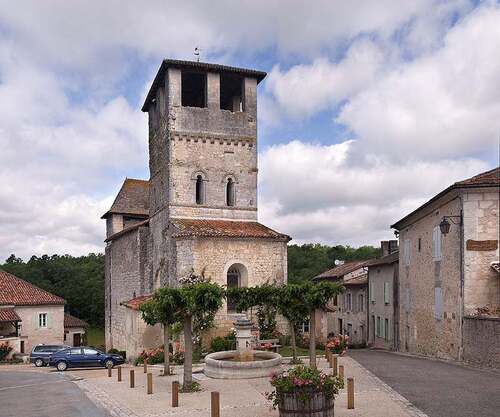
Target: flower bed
<point>338,344</point>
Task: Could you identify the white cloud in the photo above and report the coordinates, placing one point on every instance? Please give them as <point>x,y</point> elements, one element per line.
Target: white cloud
<point>320,193</point>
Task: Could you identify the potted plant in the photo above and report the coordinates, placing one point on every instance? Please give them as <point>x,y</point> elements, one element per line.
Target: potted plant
<point>338,345</point>
<point>304,391</point>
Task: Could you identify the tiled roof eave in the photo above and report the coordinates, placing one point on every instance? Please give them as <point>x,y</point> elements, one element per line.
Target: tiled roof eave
<point>209,235</point>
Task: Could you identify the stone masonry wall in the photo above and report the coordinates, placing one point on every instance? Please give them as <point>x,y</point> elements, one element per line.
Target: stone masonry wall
<point>482,341</point>
<point>430,311</point>
<point>481,223</point>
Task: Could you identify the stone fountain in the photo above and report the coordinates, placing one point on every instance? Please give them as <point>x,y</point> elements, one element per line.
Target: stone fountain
<point>244,362</point>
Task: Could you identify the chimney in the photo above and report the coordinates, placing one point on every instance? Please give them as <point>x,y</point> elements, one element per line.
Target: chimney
<point>384,244</point>
<point>393,246</point>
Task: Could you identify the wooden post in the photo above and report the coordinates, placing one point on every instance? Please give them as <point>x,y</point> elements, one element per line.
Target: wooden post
<point>145,366</point>
<point>341,371</point>
<point>150,383</point>
<point>350,393</point>
<point>334,361</point>
<point>109,371</point>
<point>175,394</point>
<point>132,378</point>
<point>215,403</point>
<point>119,374</point>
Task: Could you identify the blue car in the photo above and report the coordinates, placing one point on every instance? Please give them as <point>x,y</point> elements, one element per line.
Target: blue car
<point>84,357</point>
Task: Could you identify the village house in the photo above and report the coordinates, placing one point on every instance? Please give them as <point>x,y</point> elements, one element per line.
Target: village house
<point>448,284</point>
<point>30,316</point>
<point>197,213</point>
<point>347,313</point>
<point>383,298</point>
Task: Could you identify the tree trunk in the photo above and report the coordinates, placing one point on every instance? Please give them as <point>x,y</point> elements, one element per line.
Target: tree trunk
<point>166,342</point>
<point>293,341</point>
<point>312,339</point>
<point>188,352</point>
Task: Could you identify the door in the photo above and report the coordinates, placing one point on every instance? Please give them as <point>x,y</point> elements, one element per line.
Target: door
<point>75,357</point>
<point>341,327</point>
<point>91,357</point>
<point>77,339</point>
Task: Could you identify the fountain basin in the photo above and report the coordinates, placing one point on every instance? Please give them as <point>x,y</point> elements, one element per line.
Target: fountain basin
<point>224,365</point>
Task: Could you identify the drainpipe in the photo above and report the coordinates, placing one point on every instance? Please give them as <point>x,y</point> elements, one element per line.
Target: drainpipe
<point>461,305</point>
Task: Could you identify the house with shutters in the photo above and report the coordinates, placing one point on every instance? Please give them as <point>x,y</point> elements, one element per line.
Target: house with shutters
<point>449,284</point>
<point>30,316</point>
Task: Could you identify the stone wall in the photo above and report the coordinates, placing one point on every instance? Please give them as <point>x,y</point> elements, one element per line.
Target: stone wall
<point>481,223</point>
<point>128,275</point>
<point>482,341</point>
<point>53,333</point>
<point>430,309</point>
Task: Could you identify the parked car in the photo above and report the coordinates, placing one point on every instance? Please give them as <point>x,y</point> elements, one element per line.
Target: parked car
<point>41,354</point>
<point>83,357</point>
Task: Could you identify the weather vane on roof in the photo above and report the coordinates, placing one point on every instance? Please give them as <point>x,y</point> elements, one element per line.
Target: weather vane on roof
<point>197,54</point>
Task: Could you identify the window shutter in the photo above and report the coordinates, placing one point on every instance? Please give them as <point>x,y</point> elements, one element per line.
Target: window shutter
<point>437,303</point>
<point>386,292</point>
<point>436,243</point>
<point>49,321</point>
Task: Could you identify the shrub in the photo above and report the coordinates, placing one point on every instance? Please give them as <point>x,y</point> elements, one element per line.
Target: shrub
<point>338,344</point>
<point>151,356</point>
<point>178,357</point>
<point>5,349</point>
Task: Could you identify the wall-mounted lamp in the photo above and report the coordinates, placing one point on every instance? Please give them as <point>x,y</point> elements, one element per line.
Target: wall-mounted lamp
<point>445,225</point>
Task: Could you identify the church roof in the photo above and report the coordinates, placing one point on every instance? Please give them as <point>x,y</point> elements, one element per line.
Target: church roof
<point>193,65</point>
<point>225,228</point>
<point>132,199</point>
<point>18,292</point>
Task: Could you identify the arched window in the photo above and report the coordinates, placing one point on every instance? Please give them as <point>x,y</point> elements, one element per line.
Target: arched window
<point>200,192</point>
<point>233,281</point>
<point>230,192</point>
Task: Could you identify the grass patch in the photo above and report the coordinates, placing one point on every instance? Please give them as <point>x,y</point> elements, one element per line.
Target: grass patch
<point>287,351</point>
<point>95,337</point>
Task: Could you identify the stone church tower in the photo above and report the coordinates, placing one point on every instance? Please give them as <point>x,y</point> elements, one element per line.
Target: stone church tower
<point>200,213</point>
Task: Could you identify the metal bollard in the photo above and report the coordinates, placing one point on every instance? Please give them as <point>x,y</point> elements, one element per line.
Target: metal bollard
<point>132,378</point>
<point>175,394</point>
<point>350,393</point>
<point>119,374</point>
<point>150,383</point>
<point>215,404</point>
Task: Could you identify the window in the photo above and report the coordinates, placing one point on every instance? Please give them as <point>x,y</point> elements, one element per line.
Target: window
<point>230,192</point>
<point>378,327</point>
<point>193,89</point>
<point>233,281</point>
<point>75,351</point>
<point>386,293</point>
<point>88,351</point>
<point>349,329</point>
<point>419,244</point>
<point>231,92</point>
<point>406,252</point>
<point>306,326</point>
<point>437,303</point>
<point>42,320</point>
<point>348,302</point>
<point>361,302</point>
<point>386,329</point>
<point>436,243</point>
<point>372,292</point>
<point>200,192</point>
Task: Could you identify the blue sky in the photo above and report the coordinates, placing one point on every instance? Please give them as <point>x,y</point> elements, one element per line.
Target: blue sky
<point>369,108</point>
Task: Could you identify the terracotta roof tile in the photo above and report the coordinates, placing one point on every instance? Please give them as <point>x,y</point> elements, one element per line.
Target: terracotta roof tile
<point>134,303</point>
<point>72,321</point>
<point>385,260</point>
<point>341,270</point>
<point>8,314</point>
<point>16,291</point>
<point>132,199</point>
<point>224,228</point>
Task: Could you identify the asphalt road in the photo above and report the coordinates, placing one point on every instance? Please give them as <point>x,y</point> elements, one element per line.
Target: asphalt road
<point>437,388</point>
<point>42,394</point>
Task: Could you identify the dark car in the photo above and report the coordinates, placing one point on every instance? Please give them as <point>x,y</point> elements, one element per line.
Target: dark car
<point>41,354</point>
<point>84,357</point>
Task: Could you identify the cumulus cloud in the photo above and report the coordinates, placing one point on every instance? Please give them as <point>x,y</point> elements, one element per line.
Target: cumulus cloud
<point>318,193</point>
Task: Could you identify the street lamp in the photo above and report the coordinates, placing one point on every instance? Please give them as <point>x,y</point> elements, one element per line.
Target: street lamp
<point>445,225</point>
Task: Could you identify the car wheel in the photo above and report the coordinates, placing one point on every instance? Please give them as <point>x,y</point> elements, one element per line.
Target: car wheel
<point>62,366</point>
<point>38,363</point>
<point>109,363</point>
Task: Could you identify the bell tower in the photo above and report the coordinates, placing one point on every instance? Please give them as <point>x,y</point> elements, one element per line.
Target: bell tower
<point>202,148</point>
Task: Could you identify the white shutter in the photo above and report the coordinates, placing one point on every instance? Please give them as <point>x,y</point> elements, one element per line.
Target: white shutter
<point>436,243</point>
<point>406,258</point>
<point>386,292</point>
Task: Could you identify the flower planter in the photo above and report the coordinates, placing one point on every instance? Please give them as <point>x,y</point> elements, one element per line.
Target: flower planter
<point>305,403</point>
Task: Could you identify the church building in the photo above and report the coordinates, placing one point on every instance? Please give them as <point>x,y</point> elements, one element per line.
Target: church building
<point>197,213</point>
